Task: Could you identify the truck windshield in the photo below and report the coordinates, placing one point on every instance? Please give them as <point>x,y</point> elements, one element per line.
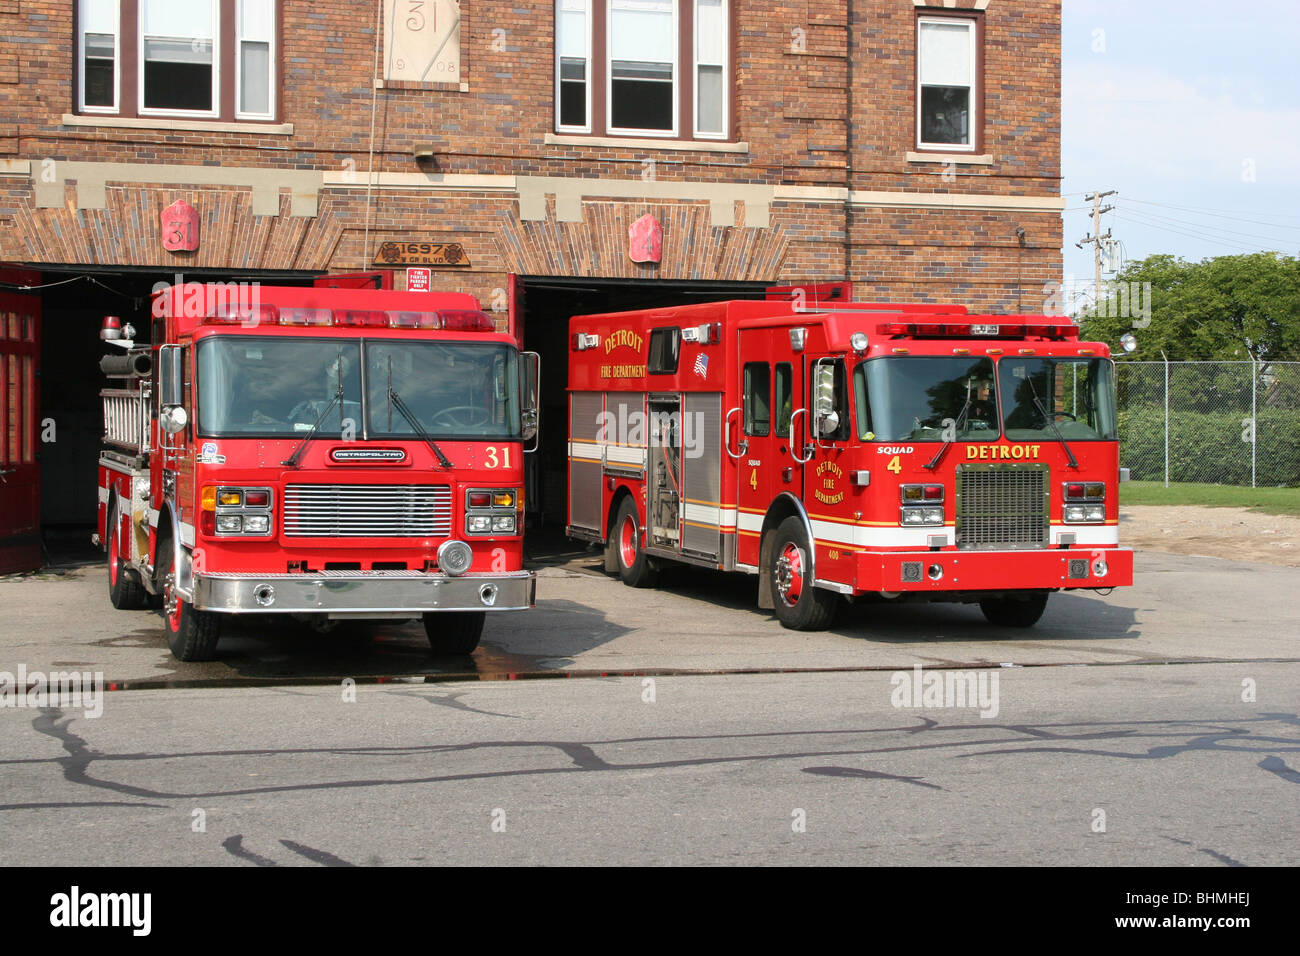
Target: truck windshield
<point>909,399</point>
<point>1077,394</point>
<point>277,386</point>
<point>455,390</point>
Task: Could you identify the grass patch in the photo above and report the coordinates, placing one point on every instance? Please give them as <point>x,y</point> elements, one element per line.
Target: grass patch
<point>1269,501</point>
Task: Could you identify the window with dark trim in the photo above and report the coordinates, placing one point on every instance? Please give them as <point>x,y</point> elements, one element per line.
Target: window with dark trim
<point>665,346</point>
<point>949,88</point>
<point>643,68</point>
<point>199,59</point>
<point>758,399</point>
<point>784,398</point>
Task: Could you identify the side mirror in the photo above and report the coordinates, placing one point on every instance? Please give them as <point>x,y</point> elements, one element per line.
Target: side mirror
<point>171,384</point>
<point>173,419</point>
<point>826,419</point>
<point>531,403</point>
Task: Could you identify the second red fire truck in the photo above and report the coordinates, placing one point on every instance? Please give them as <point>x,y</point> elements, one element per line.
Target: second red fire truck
<point>867,452</point>
<point>323,453</point>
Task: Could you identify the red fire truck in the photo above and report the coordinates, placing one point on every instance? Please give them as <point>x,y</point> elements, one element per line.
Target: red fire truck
<point>860,451</point>
<point>325,453</point>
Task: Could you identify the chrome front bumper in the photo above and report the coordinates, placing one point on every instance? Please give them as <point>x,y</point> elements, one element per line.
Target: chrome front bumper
<point>362,592</point>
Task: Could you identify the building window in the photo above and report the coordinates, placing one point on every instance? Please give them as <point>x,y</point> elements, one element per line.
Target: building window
<point>947,84</point>
<point>573,69</point>
<point>255,76</point>
<point>99,41</point>
<point>177,63</point>
<point>202,58</point>
<point>710,68</point>
<point>643,68</point>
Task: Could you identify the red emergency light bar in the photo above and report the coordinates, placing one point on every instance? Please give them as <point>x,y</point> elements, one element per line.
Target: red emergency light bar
<point>447,320</point>
<point>232,313</point>
<point>976,330</point>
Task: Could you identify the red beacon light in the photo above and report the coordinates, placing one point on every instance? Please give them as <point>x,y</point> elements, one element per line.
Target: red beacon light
<point>111,330</point>
<point>361,318</point>
<point>448,320</point>
<point>232,313</point>
<point>466,320</point>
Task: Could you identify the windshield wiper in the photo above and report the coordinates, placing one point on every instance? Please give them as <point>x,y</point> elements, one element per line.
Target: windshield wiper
<point>292,460</point>
<point>1050,421</point>
<point>961,418</point>
<point>395,401</point>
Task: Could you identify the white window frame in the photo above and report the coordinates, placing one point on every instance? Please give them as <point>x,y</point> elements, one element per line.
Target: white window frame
<point>610,128</point>
<point>972,26</point>
<point>215,7</point>
<point>81,63</point>
<point>726,73</point>
<point>273,46</point>
<point>559,128</point>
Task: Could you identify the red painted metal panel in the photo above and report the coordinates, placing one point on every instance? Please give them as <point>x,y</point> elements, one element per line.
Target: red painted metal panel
<point>20,470</point>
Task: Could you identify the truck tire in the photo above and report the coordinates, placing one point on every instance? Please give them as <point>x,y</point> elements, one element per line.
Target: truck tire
<point>125,590</point>
<point>1015,611</point>
<point>634,566</point>
<point>454,632</point>
<point>798,604</point>
<point>192,634</point>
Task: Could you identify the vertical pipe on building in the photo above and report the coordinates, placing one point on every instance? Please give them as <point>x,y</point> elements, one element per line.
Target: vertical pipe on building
<point>370,164</point>
<point>848,145</point>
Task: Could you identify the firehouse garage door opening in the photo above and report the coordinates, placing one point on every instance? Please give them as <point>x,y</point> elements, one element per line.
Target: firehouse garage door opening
<point>545,304</point>
<point>73,306</point>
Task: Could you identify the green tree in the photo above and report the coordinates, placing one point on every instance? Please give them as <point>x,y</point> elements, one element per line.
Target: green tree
<point>1204,310</point>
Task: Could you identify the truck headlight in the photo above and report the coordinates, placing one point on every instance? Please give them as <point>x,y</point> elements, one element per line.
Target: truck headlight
<point>921,517</point>
<point>230,524</point>
<point>257,524</point>
<point>1085,514</point>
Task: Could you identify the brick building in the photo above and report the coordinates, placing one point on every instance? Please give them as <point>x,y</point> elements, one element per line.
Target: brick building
<point>508,147</point>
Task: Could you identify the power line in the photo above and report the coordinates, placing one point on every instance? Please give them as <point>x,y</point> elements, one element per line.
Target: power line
<point>1218,228</point>
<point>1129,216</point>
<point>1203,209</point>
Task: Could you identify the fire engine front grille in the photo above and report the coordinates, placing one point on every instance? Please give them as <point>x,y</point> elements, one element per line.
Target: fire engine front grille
<point>1002,506</point>
<point>367,511</point>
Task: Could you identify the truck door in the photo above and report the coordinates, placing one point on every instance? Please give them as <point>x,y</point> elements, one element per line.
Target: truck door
<point>761,431</point>
<point>20,469</point>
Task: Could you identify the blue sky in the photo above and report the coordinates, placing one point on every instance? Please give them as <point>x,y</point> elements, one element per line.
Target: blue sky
<point>1191,110</point>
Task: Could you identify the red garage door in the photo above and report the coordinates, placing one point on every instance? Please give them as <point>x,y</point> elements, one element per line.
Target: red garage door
<point>20,476</point>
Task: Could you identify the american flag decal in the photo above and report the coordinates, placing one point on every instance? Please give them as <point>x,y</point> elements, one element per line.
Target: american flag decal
<point>702,365</point>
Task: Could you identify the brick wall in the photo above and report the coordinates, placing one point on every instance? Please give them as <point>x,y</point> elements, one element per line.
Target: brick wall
<point>815,86</point>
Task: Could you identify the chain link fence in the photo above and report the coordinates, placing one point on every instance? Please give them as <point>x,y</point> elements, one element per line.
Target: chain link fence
<point>1228,423</point>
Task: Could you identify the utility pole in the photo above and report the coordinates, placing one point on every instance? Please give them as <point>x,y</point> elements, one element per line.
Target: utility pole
<point>1096,238</point>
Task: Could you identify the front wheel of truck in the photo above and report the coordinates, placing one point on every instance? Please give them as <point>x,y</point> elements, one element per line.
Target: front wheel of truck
<point>192,634</point>
<point>124,588</point>
<point>454,632</point>
<point>1015,611</point>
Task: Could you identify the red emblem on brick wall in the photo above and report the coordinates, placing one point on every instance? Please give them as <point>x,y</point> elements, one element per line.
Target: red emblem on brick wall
<point>646,240</point>
<point>180,227</point>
